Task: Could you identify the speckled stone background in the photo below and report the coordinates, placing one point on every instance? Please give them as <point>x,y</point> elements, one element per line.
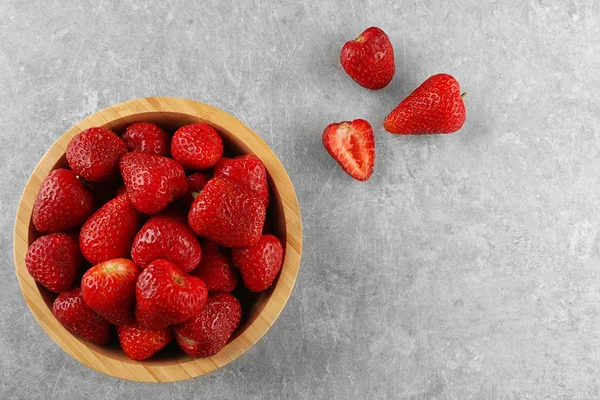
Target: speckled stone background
<point>468,267</point>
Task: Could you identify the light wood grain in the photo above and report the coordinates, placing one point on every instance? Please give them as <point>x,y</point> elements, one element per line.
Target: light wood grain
<point>169,113</point>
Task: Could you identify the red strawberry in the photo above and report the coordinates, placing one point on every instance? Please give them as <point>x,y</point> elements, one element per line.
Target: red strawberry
<point>434,107</point>
<point>109,289</point>
<point>53,261</point>
<point>147,138</point>
<point>153,182</point>
<point>108,233</point>
<point>247,171</point>
<point>196,183</point>
<point>209,331</point>
<point>62,203</point>
<point>140,343</point>
<point>167,237</point>
<point>216,269</point>
<point>228,214</point>
<point>166,295</point>
<point>259,264</point>
<point>94,154</point>
<point>196,146</point>
<point>369,59</point>
<point>352,145</point>
<point>79,319</point>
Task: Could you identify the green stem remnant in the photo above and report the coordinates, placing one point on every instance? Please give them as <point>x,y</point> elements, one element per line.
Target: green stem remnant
<point>463,94</point>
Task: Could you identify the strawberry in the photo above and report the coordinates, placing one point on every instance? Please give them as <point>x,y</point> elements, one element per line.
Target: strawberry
<point>140,343</point>
<point>352,145</point>
<point>196,183</point>
<point>62,203</point>
<point>79,319</point>
<point>109,232</point>
<point>53,261</point>
<point>196,146</point>
<point>166,295</point>
<point>247,171</point>
<point>369,59</point>
<point>228,214</point>
<point>167,237</point>
<point>434,107</point>
<point>109,289</point>
<point>259,264</point>
<point>216,269</point>
<point>152,182</point>
<point>94,154</point>
<point>147,138</point>
<point>208,332</point>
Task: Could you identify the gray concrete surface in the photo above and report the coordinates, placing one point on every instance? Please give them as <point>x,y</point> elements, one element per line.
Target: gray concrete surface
<point>466,268</point>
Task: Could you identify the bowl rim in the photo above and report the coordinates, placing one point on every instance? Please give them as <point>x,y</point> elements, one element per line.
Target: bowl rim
<point>182,367</point>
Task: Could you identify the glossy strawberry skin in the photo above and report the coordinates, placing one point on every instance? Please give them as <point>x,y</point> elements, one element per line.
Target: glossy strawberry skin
<point>109,232</point>
<point>369,59</point>
<point>62,203</point>
<point>227,214</point>
<point>109,289</point>
<point>434,107</point>
<point>54,261</point>
<point>196,183</point>
<point>139,343</point>
<point>259,264</point>
<point>165,295</point>
<point>79,319</point>
<point>147,138</point>
<point>169,238</point>
<point>152,182</point>
<point>352,145</point>
<point>94,154</point>
<point>197,146</point>
<point>247,171</point>
<point>216,269</point>
<point>208,332</point>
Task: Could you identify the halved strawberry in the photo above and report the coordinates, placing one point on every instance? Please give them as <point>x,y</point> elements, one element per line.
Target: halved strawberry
<point>352,145</point>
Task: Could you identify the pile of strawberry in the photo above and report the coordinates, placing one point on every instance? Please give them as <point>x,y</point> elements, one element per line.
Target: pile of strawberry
<point>434,107</point>
<point>160,258</point>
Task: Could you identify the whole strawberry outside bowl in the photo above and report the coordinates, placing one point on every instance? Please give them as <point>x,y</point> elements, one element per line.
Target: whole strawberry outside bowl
<point>259,310</point>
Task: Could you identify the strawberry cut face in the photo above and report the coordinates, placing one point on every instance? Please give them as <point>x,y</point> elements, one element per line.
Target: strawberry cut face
<point>352,145</point>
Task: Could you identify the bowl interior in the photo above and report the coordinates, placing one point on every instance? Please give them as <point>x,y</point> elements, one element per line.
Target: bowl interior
<point>253,304</point>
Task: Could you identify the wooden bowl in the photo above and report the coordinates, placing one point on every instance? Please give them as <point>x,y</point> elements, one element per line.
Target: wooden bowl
<point>261,310</point>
